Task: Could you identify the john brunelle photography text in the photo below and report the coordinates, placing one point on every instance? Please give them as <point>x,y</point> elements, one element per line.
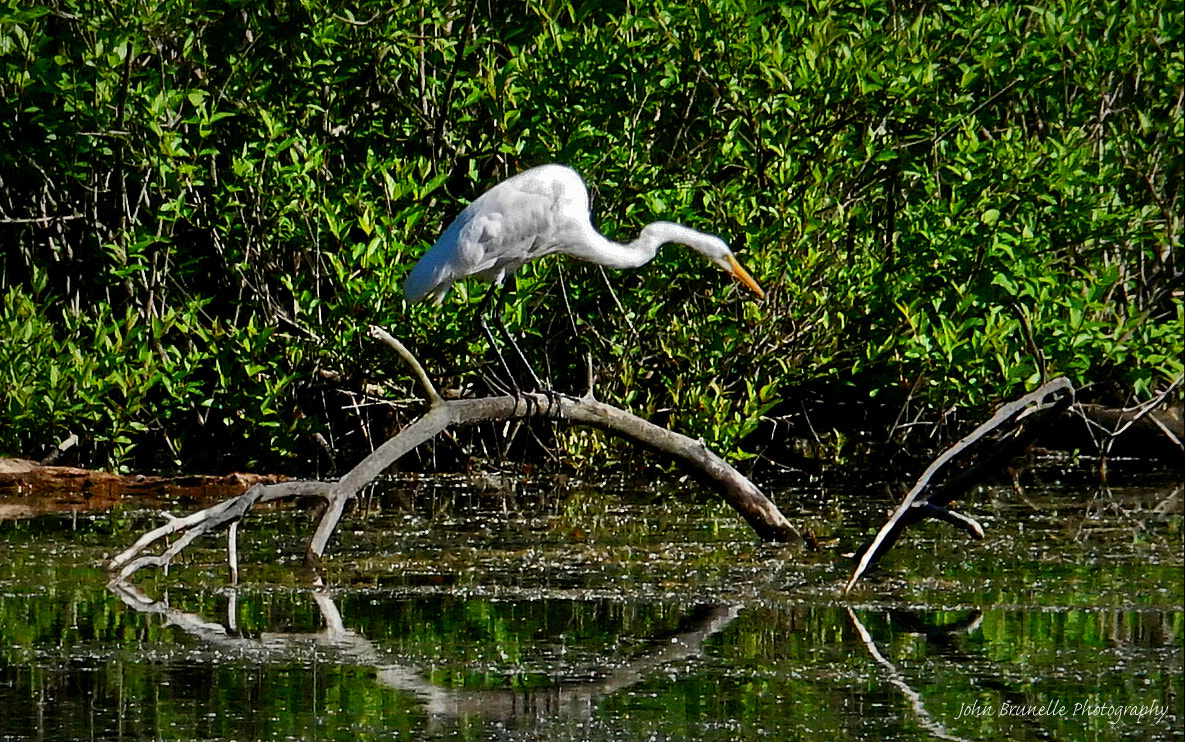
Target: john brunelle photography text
<point>1152,712</point>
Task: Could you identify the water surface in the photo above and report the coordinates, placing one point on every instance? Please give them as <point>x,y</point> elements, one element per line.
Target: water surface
<point>457,609</point>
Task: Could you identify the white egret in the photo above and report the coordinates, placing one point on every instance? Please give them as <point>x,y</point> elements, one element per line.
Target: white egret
<point>538,212</point>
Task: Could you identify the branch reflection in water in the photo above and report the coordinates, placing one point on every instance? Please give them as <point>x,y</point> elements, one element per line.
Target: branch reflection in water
<point>897,679</point>
<point>567,698</point>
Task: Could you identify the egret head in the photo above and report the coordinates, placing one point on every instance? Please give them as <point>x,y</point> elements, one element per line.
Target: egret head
<point>739,273</point>
<point>709,245</point>
<point>716,250</point>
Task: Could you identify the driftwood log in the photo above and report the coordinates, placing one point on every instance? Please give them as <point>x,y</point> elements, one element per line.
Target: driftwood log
<point>28,489</point>
<point>982,452</point>
<point>442,414</point>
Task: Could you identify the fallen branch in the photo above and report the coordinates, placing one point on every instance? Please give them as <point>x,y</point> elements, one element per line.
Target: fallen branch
<point>215,517</point>
<point>1016,425</point>
<point>442,414</point>
<point>1149,421</point>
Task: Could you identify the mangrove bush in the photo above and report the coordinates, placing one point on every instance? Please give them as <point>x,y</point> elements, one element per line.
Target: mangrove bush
<point>203,203</point>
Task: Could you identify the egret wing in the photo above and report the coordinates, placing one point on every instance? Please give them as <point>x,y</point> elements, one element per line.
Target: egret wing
<point>518,220</point>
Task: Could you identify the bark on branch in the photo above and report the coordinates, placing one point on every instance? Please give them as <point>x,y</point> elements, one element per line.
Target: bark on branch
<point>1014,426</point>
<point>442,414</point>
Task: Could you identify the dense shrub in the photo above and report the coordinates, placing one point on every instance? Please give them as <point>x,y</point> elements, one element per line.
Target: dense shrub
<point>204,202</point>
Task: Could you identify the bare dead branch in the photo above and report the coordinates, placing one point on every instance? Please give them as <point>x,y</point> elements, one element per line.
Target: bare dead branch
<point>127,562</point>
<point>1112,423</point>
<point>434,397</point>
<point>442,414</point>
<point>928,499</point>
<point>40,219</point>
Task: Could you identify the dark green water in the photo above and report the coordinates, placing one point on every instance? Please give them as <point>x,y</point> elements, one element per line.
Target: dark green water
<point>606,614</point>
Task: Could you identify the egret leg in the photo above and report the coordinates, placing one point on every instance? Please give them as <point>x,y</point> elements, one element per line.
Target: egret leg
<point>482,311</point>
<point>498,294</point>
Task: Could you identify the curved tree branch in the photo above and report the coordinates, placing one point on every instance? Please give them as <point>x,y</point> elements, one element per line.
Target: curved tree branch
<point>761,514</point>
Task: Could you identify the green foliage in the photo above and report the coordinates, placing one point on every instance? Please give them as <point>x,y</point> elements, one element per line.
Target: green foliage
<point>205,203</point>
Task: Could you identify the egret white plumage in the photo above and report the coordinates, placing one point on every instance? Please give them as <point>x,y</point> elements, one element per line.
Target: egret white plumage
<point>539,212</point>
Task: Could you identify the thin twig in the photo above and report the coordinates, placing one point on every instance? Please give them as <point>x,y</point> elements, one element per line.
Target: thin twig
<point>40,219</point>
<point>434,397</point>
<point>1141,411</point>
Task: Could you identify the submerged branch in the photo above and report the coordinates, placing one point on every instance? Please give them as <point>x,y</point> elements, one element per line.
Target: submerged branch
<point>1014,426</point>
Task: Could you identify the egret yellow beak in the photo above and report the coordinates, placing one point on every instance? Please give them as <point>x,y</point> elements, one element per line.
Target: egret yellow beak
<point>739,273</point>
